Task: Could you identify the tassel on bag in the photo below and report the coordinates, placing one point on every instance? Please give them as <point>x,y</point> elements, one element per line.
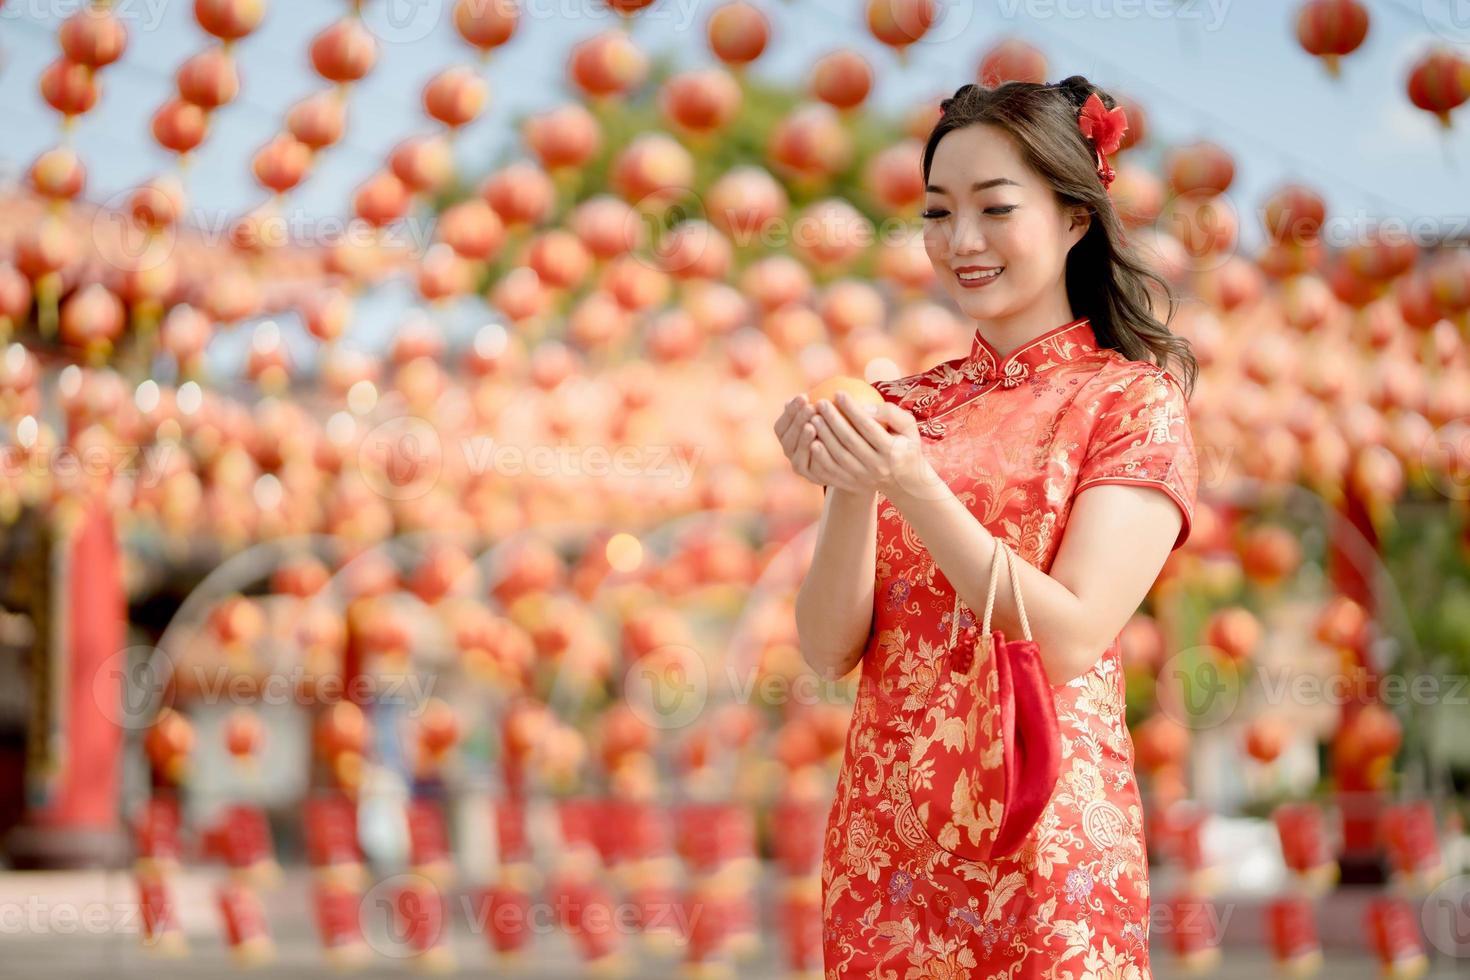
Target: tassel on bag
<point>987,753</point>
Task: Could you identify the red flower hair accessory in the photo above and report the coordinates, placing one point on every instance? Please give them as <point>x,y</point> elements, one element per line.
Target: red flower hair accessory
<point>1105,128</point>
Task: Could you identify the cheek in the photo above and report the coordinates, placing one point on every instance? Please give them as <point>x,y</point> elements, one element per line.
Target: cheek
<point>936,244</point>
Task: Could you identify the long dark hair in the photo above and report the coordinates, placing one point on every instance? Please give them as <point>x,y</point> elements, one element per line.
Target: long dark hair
<point>1107,282</point>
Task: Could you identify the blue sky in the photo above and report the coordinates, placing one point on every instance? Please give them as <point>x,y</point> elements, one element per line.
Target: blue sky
<point>1223,69</point>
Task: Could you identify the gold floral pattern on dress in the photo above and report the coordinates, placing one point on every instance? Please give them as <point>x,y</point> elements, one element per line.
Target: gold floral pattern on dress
<point>1072,902</point>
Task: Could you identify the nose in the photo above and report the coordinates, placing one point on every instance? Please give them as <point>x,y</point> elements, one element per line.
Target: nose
<point>966,237</point>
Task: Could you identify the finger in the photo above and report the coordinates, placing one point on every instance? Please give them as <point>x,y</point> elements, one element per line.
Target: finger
<point>835,441</point>
<point>896,419</point>
<point>869,426</point>
<point>847,436</point>
<point>787,414</point>
<point>828,470</point>
<point>792,437</point>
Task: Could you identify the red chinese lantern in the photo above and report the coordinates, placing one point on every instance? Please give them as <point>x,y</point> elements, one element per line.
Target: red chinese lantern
<point>92,318</point>
<point>422,163</point>
<point>810,142</point>
<point>486,24</point>
<point>559,258</point>
<point>831,233</point>
<point>58,174</point>
<point>229,20</point>
<point>1440,83</point>
<point>900,23</point>
<point>1012,60</point>
<point>94,37</point>
<point>653,168</point>
<point>472,229</point>
<point>635,284</point>
<point>607,226</point>
<point>738,33</point>
<point>456,96</point>
<point>168,744</point>
<point>1200,168</point>
<point>1235,631</point>
<point>282,163</point>
<point>1265,738</point>
<point>157,204</point>
<point>521,193</point>
<point>318,120</point>
<point>1331,29</point>
<point>607,64</point>
<point>842,79</point>
<point>567,136</point>
<point>700,101</point>
<point>244,734</point>
<point>894,176</point>
<point>208,79</point>
<point>344,52</point>
<point>1294,215</point>
<point>326,313</point>
<point>381,199</point>
<point>744,202</point>
<point>179,126</point>
<point>68,87</point>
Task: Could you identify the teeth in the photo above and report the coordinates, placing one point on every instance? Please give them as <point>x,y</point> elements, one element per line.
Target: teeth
<point>991,274</point>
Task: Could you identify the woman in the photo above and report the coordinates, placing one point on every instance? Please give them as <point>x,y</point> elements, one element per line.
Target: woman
<point>1063,433</point>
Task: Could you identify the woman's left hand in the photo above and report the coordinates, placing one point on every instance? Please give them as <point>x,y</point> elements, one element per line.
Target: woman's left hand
<point>880,451</point>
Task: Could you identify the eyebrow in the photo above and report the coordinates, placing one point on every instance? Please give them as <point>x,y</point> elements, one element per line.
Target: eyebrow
<point>979,185</point>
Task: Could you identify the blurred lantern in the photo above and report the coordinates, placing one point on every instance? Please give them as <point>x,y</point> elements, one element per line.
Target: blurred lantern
<point>1265,737</point>
<point>281,163</point>
<point>1294,215</point>
<point>1235,631</point>
<point>567,136</point>
<point>68,87</point>
<point>244,734</point>
<point>738,33</point>
<point>422,163</point>
<point>1330,29</point>
<point>744,202</point>
<point>94,37</point>
<point>58,174</point>
<point>326,313</point>
<point>1200,168</point>
<point>157,204</point>
<point>521,193</point>
<point>438,729</point>
<point>810,142</point>
<point>319,120</point>
<point>894,177</point>
<point>694,250</point>
<point>456,96</point>
<point>344,52</point>
<point>208,79</point>
<point>559,258</point>
<point>1012,60</point>
<point>1392,930</point>
<point>168,743</point>
<point>179,126</point>
<point>607,226</point>
<point>229,20</point>
<point>1440,83</point>
<point>831,233</point>
<point>776,281</point>
<point>701,101</point>
<point>92,318</point>
<point>634,284</point>
<point>1160,742</point>
<point>1269,554</point>
<point>484,25</point>
<point>652,170</point>
<point>842,79</point>
<point>382,199</point>
<point>472,229</point>
<point>900,23</point>
<point>342,728</point>
<point>607,64</point>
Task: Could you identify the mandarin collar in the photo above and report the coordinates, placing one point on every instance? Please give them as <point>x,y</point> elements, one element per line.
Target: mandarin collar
<point>1057,346</point>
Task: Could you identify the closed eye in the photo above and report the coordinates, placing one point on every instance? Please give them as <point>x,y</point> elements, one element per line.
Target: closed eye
<point>932,213</point>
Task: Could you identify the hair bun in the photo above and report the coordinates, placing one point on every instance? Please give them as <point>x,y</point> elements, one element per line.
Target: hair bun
<point>1077,88</point>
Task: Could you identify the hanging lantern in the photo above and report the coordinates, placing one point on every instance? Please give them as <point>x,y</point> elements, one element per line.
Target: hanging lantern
<point>738,33</point>
<point>1200,168</point>
<point>701,101</point>
<point>58,174</point>
<point>484,25</point>
<point>900,23</point>
<point>521,193</point>
<point>566,137</point>
<point>68,87</point>
<point>1012,60</point>
<point>456,97</point>
<point>607,64</point>
<point>842,79</point>
<point>229,20</point>
<point>1440,83</point>
<point>179,126</point>
<point>1331,29</point>
<point>208,79</point>
<point>282,163</point>
<point>345,52</point>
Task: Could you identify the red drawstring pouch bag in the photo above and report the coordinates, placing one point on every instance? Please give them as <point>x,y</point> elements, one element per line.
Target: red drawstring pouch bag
<point>987,751</point>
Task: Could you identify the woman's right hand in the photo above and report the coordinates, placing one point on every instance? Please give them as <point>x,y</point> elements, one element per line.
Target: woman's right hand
<point>797,433</point>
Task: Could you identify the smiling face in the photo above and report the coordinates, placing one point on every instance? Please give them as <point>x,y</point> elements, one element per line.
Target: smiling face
<point>995,231</point>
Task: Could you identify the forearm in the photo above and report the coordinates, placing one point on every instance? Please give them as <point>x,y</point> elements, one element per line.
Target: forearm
<point>963,549</point>
<point>834,607</point>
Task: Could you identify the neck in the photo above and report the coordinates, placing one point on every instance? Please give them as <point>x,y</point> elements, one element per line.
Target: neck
<point>1005,334</point>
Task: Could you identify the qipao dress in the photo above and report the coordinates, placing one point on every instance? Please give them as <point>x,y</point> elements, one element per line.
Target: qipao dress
<point>1015,438</point>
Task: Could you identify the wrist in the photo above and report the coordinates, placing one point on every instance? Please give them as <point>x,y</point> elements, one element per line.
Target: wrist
<point>916,487</point>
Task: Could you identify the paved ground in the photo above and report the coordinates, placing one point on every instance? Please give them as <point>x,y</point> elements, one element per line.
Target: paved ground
<point>83,925</point>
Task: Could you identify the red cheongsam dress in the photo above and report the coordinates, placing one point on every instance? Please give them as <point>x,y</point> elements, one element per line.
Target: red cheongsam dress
<point>1015,438</point>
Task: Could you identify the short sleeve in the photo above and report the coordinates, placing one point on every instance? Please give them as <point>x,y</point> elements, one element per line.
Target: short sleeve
<point>1142,438</point>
